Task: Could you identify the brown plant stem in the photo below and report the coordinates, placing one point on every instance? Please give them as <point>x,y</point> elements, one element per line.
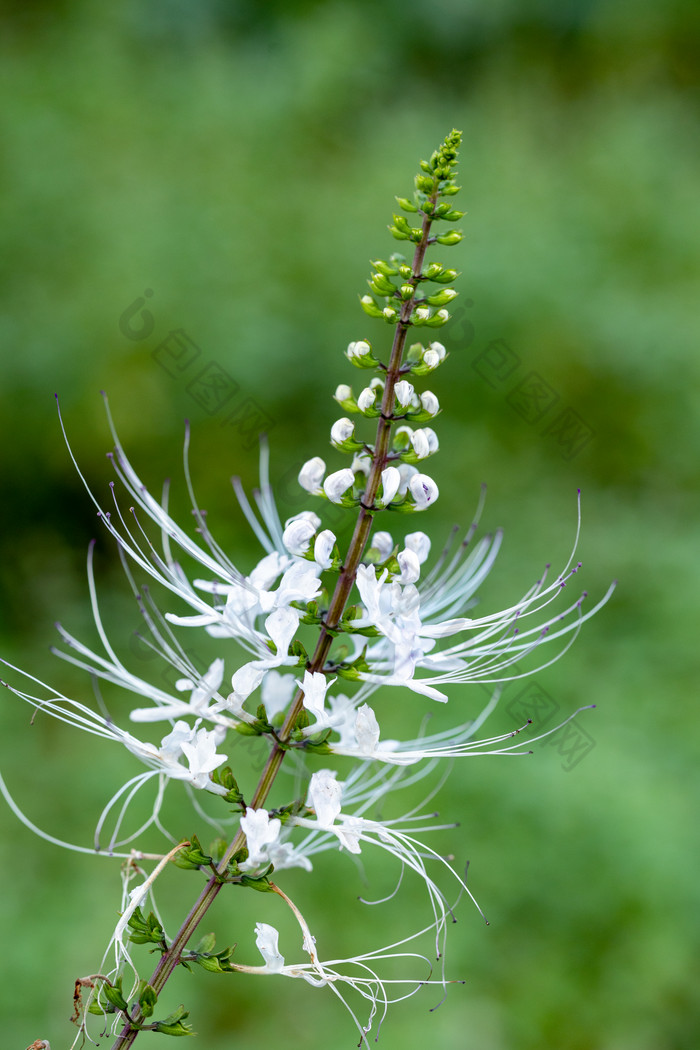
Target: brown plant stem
<point>170,958</point>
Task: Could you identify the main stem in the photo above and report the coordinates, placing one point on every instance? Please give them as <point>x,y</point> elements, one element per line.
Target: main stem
<point>170,958</point>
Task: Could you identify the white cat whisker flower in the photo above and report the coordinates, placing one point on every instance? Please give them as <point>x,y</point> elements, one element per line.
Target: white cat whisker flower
<point>196,745</point>
<point>321,627</point>
<point>325,974</point>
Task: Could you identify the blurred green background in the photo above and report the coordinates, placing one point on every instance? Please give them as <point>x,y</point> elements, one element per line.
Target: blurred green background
<point>239,161</point>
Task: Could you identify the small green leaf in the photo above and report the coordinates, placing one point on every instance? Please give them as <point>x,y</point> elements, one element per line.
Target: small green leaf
<point>207,943</point>
<point>145,931</point>
<point>174,1024</point>
<point>192,856</point>
<point>148,997</point>
<point>113,993</point>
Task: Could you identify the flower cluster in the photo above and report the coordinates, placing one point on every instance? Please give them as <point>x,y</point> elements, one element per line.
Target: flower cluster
<point>384,613</point>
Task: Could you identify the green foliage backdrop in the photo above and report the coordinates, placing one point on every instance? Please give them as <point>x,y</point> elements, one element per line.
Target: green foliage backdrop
<point>240,161</point>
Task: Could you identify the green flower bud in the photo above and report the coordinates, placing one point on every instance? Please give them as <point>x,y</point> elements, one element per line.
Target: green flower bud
<point>453,237</point>
<point>438,319</point>
<point>406,291</point>
<point>421,315</point>
<point>425,183</point>
<point>398,234</point>
<point>433,272</point>
<point>385,268</point>
<point>174,1023</point>
<point>401,223</point>
<point>370,307</point>
<point>381,285</point>
<point>345,398</point>
<point>148,998</point>
<point>446,277</point>
<point>406,204</point>
<point>343,436</point>
<point>441,298</point>
<point>113,994</point>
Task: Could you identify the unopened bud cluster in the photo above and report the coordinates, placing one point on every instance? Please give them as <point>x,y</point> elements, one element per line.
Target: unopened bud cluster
<point>402,295</point>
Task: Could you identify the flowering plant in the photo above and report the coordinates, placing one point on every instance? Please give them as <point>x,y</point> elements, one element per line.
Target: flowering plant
<point>378,619</point>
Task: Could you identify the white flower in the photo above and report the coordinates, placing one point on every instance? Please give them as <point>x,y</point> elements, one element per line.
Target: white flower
<point>260,833</point>
<point>429,402</point>
<point>391,479</point>
<point>409,565</point>
<point>419,441</point>
<point>311,475</point>
<point>315,686</point>
<point>342,430</point>
<point>300,583</point>
<point>383,544</point>
<point>343,392</point>
<point>358,349</point>
<point>404,393</point>
<point>284,855</point>
<point>361,463</point>
<point>433,356</point>
<point>337,484</point>
<point>323,549</point>
<point>202,690</point>
<point>366,398</point>
<point>366,729</point>
<point>349,834</point>
<point>424,490</point>
<point>324,796</point>
<point>281,626</point>
<point>277,691</point>
<point>201,755</point>
<point>267,941</point>
<point>299,531</point>
<point>425,442</point>
<point>419,543</point>
<point>406,472</point>
<point>245,681</point>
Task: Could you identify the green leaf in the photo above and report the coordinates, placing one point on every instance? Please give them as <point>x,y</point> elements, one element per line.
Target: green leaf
<point>214,962</point>
<point>145,931</point>
<point>174,1023</point>
<point>113,993</point>
<point>192,856</point>
<point>148,997</point>
<point>227,780</point>
<point>206,945</point>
